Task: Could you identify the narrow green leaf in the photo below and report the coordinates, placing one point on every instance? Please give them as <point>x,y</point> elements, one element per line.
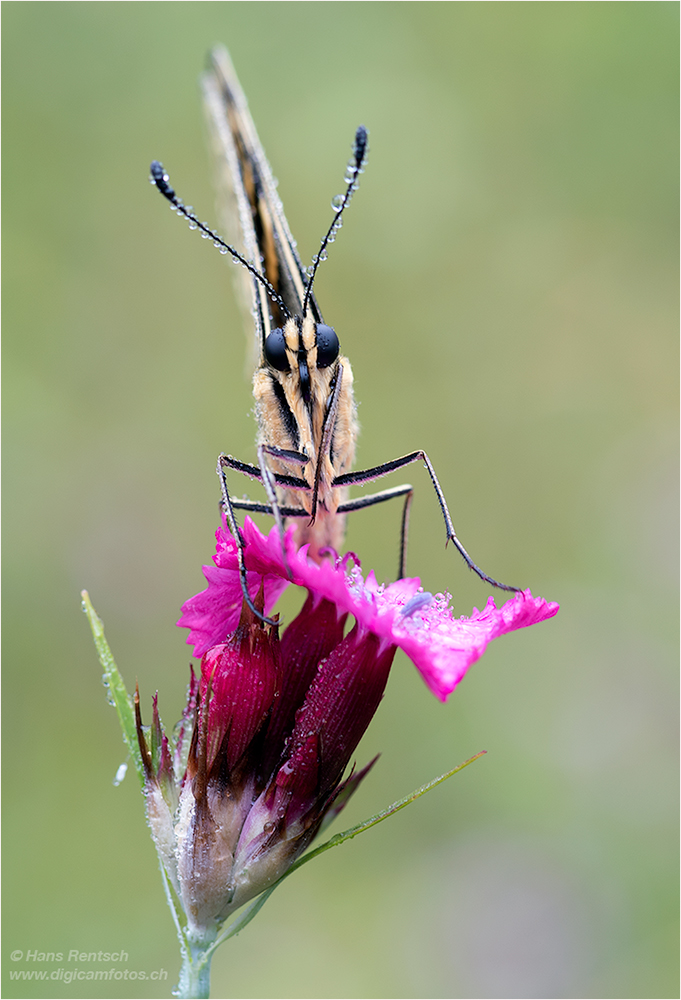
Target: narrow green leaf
<point>245,918</point>
<point>340,838</point>
<point>116,689</point>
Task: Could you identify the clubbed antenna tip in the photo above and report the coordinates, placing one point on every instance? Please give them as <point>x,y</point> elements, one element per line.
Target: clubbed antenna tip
<point>361,144</point>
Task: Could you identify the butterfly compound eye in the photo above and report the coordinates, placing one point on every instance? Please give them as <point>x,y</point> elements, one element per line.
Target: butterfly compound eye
<point>275,351</point>
<point>327,345</point>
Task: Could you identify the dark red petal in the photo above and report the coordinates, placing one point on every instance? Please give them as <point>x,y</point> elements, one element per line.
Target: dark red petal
<point>243,677</point>
<point>340,704</point>
<point>299,774</point>
<point>308,640</point>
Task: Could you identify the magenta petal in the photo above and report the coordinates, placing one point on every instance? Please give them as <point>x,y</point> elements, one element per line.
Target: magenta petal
<point>312,635</point>
<point>244,678</point>
<point>441,646</point>
<point>214,613</point>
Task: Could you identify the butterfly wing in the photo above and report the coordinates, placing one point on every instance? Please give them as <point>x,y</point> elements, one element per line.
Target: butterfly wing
<point>252,212</point>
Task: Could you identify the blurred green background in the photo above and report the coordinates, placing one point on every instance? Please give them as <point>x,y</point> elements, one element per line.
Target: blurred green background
<point>505,287</point>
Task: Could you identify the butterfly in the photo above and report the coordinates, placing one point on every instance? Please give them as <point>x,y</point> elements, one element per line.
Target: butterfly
<point>302,385</point>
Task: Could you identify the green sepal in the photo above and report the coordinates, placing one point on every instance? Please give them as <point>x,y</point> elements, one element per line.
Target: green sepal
<point>183,730</point>
<point>117,693</point>
<point>156,738</point>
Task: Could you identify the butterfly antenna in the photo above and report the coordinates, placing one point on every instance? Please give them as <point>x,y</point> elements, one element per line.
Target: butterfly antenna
<point>160,178</point>
<point>355,167</point>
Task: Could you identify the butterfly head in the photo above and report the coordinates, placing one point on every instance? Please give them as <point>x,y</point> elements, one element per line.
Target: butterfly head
<point>301,356</point>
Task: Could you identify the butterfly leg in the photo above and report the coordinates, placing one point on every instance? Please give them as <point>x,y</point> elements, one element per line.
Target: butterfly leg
<point>268,481</point>
<point>255,472</point>
<point>296,457</point>
<point>238,538</point>
<point>405,491</point>
<point>366,475</point>
<point>256,507</point>
<point>268,478</point>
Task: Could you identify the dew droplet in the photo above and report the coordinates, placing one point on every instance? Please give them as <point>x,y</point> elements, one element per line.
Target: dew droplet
<point>337,202</point>
<point>120,774</point>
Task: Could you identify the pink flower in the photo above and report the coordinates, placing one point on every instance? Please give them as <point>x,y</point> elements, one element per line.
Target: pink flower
<point>272,723</point>
<point>400,614</point>
<point>246,789</point>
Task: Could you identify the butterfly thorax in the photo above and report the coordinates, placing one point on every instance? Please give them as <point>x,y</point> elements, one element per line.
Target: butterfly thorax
<point>306,406</point>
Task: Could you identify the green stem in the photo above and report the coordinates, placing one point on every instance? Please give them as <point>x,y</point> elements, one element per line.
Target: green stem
<point>194,981</point>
